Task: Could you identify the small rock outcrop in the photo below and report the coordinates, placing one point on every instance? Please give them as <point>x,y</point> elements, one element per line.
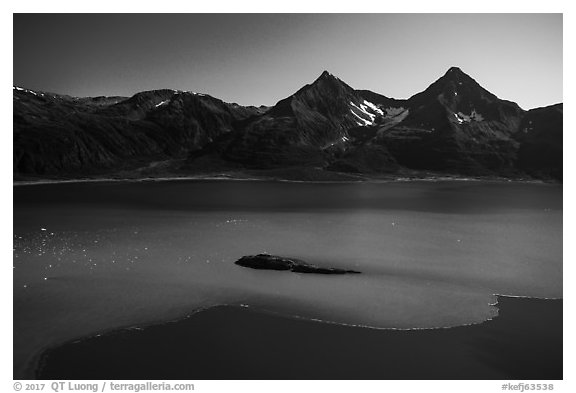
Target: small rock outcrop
<point>273,262</point>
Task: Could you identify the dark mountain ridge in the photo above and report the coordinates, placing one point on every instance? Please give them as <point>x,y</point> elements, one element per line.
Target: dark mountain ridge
<point>454,126</point>
<point>299,128</point>
<point>58,135</point>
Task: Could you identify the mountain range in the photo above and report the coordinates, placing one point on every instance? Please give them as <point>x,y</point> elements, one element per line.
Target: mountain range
<point>325,130</point>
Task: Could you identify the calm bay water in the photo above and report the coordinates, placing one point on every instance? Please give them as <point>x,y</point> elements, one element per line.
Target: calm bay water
<point>89,257</point>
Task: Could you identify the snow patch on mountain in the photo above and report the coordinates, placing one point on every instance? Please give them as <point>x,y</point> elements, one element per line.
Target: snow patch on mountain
<point>373,107</point>
<point>161,103</point>
<point>28,91</point>
<point>464,118</point>
<point>367,109</point>
<point>366,122</point>
<point>362,108</point>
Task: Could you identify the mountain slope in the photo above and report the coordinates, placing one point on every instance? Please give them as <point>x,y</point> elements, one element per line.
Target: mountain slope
<point>540,138</point>
<point>300,128</point>
<point>454,126</point>
<point>63,135</point>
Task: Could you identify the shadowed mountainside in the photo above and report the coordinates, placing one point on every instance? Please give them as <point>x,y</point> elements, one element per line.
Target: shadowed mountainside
<point>60,135</point>
<point>455,126</point>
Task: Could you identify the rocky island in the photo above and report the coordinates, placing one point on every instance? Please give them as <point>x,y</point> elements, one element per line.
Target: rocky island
<point>273,262</point>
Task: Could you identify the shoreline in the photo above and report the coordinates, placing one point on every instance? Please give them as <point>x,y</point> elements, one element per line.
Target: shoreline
<point>248,319</point>
<point>225,177</point>
<point>33,366</point>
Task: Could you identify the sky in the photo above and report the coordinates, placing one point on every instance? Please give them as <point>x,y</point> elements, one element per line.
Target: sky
<point>258,59</point>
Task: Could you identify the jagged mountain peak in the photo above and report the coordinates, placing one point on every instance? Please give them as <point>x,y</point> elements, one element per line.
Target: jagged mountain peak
<point>454,70</point>
<point>326,75</point>
<point>454,88</point>
<point>453,125</point>
<point>327,83</point>
<point>455,75</point>
<point>326,87</point>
